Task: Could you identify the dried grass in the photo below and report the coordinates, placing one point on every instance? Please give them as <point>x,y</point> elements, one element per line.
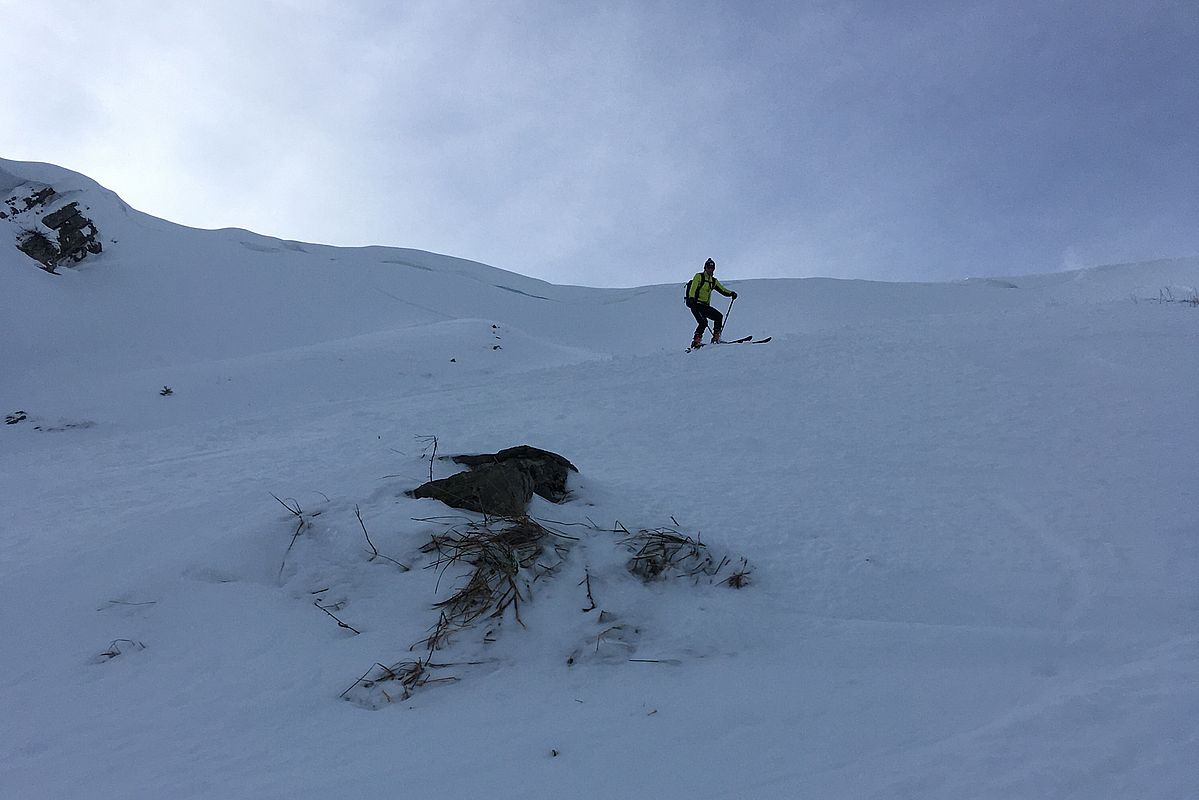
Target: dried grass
<point>664,552</point>
<point>372,689</point>
<point>505,559</point>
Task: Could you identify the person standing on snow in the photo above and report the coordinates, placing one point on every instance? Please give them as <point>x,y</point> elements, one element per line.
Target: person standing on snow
<point>699,297</point>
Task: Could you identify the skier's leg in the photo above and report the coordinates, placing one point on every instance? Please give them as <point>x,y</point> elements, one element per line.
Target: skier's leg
<point>700,323</point>
<point>717,323</point>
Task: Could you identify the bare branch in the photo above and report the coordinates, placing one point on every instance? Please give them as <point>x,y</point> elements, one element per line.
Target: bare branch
<point>375,550</point>
<point>335,619</point>
<point>587,580</point>
<point>430,448</point>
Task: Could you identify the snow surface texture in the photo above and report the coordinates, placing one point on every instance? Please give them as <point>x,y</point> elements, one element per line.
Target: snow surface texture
<point>969,510</point>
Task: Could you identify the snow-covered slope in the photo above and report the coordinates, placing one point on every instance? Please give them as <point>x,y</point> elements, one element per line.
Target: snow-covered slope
<point>968,509</point>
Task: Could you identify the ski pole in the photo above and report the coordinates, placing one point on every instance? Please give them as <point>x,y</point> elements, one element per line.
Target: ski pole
<point>730,311</point>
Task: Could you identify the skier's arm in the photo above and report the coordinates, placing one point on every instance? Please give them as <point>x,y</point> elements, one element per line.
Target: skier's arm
<point>720,288</point>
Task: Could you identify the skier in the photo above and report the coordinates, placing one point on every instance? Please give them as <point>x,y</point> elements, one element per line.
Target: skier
<point>699,296</point>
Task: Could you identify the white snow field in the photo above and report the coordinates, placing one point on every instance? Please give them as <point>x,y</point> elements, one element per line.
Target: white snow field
<point>970,511</point>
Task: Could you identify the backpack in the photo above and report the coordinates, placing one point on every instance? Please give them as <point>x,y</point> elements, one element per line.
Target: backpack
<point>687,298</point>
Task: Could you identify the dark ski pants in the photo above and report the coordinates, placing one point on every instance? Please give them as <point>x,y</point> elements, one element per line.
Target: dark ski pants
<point>702,313</point>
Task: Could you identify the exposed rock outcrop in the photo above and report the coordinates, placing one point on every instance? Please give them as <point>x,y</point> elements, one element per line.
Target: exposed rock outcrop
<point>503,483</point>
<point>50,235</point>
<point>549,471</point>
<point>500,490</point>
<point>77,235</point>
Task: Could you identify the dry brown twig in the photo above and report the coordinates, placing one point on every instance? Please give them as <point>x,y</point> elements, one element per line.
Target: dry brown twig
<point>374,550</point>
<point>429,449</point>
<point>341,624</point>
<point>590,598</point>
<point>115,649</point>
<point>303,521</point>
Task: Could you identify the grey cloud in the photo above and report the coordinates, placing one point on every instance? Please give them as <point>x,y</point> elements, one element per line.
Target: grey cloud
<point>622,143</point>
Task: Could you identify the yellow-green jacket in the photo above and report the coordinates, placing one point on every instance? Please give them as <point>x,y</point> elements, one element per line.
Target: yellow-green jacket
<point>700,288</point>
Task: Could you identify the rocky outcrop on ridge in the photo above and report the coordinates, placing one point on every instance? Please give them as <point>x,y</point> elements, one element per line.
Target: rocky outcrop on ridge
<point>48,230</point>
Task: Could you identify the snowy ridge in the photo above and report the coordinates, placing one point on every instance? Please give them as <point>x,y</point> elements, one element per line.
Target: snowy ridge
<point>967,509</point>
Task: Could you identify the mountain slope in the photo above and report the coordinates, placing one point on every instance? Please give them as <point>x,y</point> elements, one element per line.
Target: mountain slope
<point>966,510</point>
<point>146,299</point>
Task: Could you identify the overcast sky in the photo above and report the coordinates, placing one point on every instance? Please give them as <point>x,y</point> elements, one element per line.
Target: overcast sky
<point>622,143</point>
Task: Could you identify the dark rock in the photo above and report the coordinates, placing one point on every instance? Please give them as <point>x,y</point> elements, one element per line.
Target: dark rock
<point>68,235</point>
<point>77,235</point>
<point>548,471</point>
<point>38,198</point>
<point>38,246</point>
<point>63,216</point>
<point>501,490</point>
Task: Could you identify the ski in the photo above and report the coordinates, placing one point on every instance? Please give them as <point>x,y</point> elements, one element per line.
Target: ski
<point>731,341</point>
<point>742,340</point>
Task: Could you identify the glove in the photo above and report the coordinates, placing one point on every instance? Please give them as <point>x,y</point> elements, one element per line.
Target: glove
<point>734,295</point>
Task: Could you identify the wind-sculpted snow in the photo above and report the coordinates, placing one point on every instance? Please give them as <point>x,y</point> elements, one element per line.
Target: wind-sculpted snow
<point>969,511</point>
